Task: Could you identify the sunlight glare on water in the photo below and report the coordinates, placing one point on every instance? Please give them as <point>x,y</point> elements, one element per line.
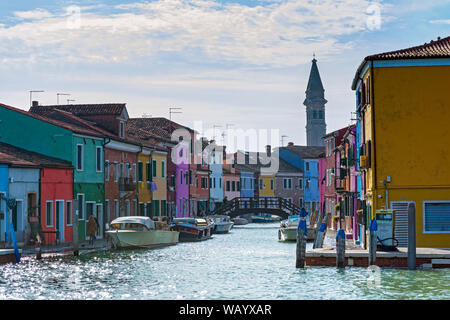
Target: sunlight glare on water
<point>247,263</point>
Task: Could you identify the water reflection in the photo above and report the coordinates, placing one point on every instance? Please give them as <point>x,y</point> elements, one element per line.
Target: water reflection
<point>248,263</point>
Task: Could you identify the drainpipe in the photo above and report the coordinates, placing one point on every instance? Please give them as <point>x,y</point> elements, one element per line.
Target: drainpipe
<point>374,167</point>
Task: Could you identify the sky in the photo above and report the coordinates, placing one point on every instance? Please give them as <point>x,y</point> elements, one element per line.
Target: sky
<point>228,64</point>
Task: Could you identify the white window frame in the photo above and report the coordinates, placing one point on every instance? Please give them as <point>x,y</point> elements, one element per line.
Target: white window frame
<point>423,216</point>
<point>135,207</point>
<point>94,208</point>
<point>116,208</point>
<point>134,172</point>
<point>97,148</point>
<point>82,157</point>
<point>83,205</point>
<point>107,171</point>
<point>116,171</point>
<point>51,215</point>
<point>163,168</point>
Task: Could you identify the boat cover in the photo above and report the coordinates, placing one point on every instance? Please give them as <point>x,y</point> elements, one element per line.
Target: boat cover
<point>149,223</point>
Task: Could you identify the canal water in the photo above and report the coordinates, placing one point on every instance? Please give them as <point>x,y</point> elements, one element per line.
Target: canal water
<point>247,263</point>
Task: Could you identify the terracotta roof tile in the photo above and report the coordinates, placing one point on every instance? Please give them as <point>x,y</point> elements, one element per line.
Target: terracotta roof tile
<point>434,49</point>
<point>20,157</point>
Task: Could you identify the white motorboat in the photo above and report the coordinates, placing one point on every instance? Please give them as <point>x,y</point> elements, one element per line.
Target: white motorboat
<point>140,232</point>
<point>222,223</point>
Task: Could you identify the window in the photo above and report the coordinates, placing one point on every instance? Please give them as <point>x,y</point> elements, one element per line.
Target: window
<point>98,159</point>
<point>307,166</point>
<point>140,171</point>
<point>214,182</point>
<point>116,208</point>
<point>134,172</point>
<point>135,208</point>
<point>238,186</point>
<point>172,180</point>
<point>122,129</point>
<point>128,207</point>
<point>49,214</point>
<point>300,202</point>
<point>271,184</point>
<point>300,183</point>
<point>108,209</point>
<point>148,171</point>
<point>307,183</point>
<point>80,199</point>
<point>80,157</point>
<point>154,168</point>
<point>163,168</point>
<point>107,170</point>
<point>116,172</point>
<point>186,176</point>
<point>233,186</point>
<point>287,183</point>
<point>69,213</point>
<point>261,186</point>
<point>122,170</point>
<point>436,216</point>
<point>190,176</point>
<point>228,186</point>
<point>141,209</point>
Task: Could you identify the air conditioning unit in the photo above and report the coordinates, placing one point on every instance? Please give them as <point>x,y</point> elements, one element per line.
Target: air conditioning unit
<point>363,162</point>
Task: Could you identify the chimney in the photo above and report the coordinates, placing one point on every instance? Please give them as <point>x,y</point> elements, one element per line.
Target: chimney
<point>35,103</point>
<point>269,150</point>
<point>290,144</point>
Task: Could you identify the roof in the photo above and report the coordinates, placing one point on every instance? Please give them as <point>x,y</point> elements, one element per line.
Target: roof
<point>165,126</point>
<point>83,109</point>
<point>15,156</point>
<point>314,90</point>
<point>435,49</point>
<point>68,126</point>
<point>285,167</point>
<point>306,152</point>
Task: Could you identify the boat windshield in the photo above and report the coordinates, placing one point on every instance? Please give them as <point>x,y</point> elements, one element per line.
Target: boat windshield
<point>293,220</point>
<point>129,226</point>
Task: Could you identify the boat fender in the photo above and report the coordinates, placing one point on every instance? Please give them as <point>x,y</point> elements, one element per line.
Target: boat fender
<point>279,234</point>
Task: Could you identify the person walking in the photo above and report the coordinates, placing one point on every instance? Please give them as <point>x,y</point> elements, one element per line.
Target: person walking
<point>92,228</point>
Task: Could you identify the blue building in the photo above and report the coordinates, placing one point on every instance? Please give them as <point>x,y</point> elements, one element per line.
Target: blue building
<point>216,177</point>
<point>3,191</point>
<point>247,181</point>
<point>305,158</point>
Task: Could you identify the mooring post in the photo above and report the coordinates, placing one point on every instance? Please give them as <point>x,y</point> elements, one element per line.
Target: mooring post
<point>75,228</point>
<point>373,242</point>
<point>37,247</point>
<point>340,248</point>
<point>301,244</point>
<point>318,243</point>
<point>411,236</point>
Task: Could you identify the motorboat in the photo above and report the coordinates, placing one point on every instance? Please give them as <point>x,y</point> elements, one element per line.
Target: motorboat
<point>140,232</point>
<point>222,223</point>
<point>288,230</point>
<point>238,221</point>
<point>264,218</point>
<point>193,229</point>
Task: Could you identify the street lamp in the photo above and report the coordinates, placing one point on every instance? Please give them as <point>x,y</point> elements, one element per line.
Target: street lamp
<point>60,94</point>
<point>31,94</point>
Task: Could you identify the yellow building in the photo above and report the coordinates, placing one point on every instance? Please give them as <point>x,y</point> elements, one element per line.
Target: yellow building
<point>143,181</point>
<point>159,177</point>
<point>404,113</point>
<point>266,186</point>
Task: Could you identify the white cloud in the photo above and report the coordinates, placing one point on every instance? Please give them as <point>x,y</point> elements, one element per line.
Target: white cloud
<point>278,34</point>
<point>440,21</point>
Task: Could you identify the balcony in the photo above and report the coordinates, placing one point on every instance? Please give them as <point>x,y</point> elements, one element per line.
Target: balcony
<point>127,184</point>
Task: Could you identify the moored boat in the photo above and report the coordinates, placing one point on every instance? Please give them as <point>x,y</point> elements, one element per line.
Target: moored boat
<point>222,223</point>
<point>140,232</point>
<point>192,229</point>
<point>288,230</point>
<point>264,218</point>
<point>238,221</point>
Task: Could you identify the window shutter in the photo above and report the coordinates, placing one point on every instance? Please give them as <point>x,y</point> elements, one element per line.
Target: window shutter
<point>437,217</point>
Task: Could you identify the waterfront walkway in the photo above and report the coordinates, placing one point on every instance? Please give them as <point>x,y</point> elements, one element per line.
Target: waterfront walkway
<point>67,248</point>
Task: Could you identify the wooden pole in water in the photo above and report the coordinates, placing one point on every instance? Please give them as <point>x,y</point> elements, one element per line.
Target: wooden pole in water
<point>373,242</point>
<point>318,243</point>
<point>301,245</point>
<point>340,249</point>
<point>75,228</point>
<point>411,236</point>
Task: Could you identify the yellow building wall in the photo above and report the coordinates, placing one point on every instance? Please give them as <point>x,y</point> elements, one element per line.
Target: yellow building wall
<point>144,193</point>
<point>160,180</point>
<point>266,190</point>
<point>412,135</point>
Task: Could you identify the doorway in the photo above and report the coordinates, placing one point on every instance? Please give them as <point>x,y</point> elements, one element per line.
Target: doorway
<point>59,215</point>
<point>99,216</point>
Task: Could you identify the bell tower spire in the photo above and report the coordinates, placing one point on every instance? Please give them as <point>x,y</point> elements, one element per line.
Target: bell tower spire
<point>315,107</point>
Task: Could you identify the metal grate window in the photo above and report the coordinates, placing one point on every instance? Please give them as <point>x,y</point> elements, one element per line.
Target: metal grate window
<point>437,217</point>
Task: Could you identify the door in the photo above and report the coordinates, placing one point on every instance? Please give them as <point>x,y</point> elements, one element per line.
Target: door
<point>401,222</point>
<point>17,220</point>
<point>59,214</point>
<point>99,216</point>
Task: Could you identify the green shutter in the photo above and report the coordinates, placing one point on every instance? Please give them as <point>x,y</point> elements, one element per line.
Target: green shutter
<point>140,171</point>
<point>154,168</point>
